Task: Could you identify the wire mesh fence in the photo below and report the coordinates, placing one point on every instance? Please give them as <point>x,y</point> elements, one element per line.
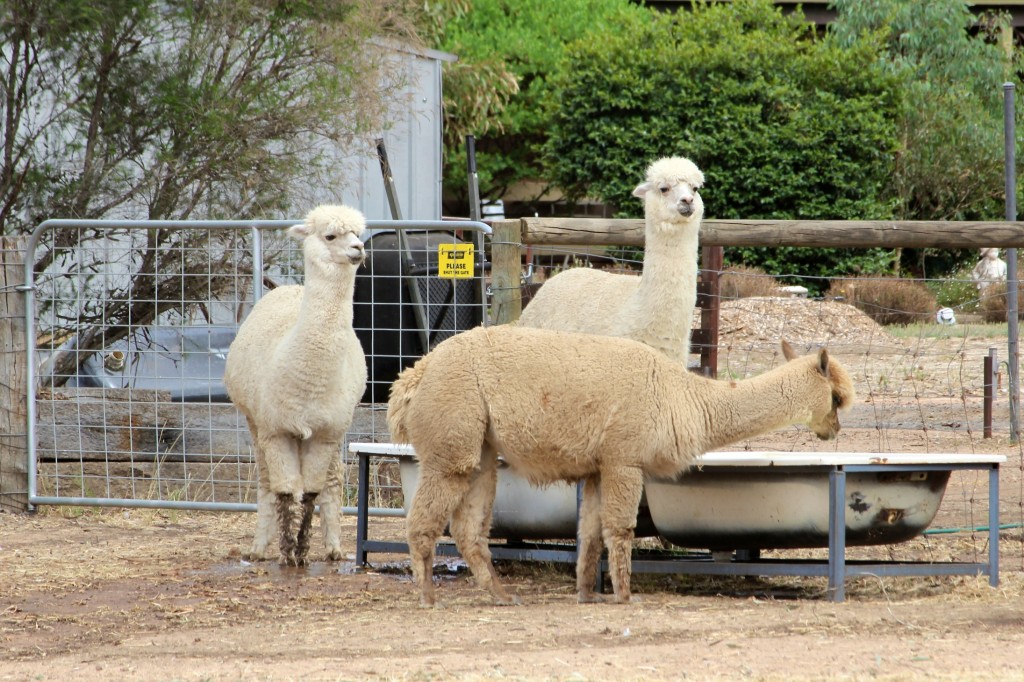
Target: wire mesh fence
<point>920,384</point>
<point>132,323</point>
<point>132,329</point>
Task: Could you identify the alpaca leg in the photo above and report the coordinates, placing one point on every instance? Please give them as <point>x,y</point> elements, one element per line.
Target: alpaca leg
<point>589,549</point>
<point>305,526</point>
<point>621,490</point>
<point>471,525</point>
<point>266,514</point>
<point>330,509</point>
<point>284,477</point>
<point>266,518</point>
<point>322,468</point>
<point>286,523</point>
<point>437,496</point>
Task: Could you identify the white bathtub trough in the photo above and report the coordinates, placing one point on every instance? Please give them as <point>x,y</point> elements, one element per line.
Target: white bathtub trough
<point>781,500</point>
<point>737,500</point>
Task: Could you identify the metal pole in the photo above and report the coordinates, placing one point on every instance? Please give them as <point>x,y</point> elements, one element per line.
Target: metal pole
<point>989,381</point>
<point>474,214</point>
<point>1010,156</point>
<point>474,180</point>
<point>405,255</point>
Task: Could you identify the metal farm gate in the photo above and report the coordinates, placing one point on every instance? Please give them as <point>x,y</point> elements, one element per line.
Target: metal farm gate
<point>129,324</point>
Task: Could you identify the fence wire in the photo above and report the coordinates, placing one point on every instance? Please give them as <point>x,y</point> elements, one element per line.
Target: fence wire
<point>132,324</point>
<point>920,383</point>
<point>132,329</point>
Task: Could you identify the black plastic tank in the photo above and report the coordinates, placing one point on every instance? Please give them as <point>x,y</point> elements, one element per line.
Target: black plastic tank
<point>392,334</point>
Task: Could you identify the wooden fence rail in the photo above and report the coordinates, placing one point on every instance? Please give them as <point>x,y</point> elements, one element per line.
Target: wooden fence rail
<point>510,236</point>
<point>810,233</point>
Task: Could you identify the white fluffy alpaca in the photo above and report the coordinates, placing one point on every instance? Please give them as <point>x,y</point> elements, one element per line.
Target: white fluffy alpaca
<point>655,308</point>
<point>296,370</point>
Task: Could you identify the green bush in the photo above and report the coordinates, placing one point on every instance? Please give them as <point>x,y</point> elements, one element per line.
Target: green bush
<point>784,125</point>
<point>959,291</point>
<point>887,300</point>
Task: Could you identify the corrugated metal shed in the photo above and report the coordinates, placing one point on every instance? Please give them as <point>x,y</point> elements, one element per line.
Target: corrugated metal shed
<point>414,147</point>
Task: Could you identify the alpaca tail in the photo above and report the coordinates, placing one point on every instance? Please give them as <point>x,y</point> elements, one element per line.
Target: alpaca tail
<point>403,390</point>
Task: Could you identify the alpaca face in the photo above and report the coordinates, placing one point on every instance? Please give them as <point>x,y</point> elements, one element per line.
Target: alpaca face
<point>344,248</point>
<point>836,393</point>
<point>331,236</point>
<point>826,426</point>
<point>670,192</point>
<point>832,387</point>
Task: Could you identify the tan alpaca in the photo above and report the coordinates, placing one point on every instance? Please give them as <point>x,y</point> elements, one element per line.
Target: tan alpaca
<point>561,406</point>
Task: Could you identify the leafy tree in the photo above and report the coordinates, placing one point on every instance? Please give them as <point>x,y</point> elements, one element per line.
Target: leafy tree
<point>950,66</point>
<point>951,126</point>
<point>176,110</point>
<point>170,110</point>
<point>500,89</point>
<point>783,124</point>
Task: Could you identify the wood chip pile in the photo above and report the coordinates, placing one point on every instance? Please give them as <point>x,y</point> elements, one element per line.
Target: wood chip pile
<point>801,321</point>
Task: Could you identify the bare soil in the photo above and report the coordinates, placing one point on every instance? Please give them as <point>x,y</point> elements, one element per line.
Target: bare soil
<point>144,595</point>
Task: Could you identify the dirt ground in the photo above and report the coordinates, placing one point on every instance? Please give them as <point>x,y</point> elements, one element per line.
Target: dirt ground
<point>164,595</point>
<point>136,595</point>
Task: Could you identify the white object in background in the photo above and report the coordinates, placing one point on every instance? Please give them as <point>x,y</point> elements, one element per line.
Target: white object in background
<point>945,316</point>
<point>492,210</point>
<point>989,270</point>
<point>795,291</point>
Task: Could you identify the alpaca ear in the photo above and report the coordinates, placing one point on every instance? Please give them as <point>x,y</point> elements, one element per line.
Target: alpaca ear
<point>642,189</point>
<point>823,362</point>
<point>299,231</point>
<point>787,351</point>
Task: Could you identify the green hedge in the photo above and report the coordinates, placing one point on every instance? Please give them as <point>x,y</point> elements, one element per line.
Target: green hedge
<point>784,124</point>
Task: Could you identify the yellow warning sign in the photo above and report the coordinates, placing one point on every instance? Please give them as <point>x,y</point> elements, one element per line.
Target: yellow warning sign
<point>454,261</point>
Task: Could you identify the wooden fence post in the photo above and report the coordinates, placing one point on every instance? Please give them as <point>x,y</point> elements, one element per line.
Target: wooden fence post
<point>13,378</point>
<point>506,270</point>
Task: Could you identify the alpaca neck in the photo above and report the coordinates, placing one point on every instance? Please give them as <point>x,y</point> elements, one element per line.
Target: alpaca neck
<point>670,268</point>
<point>745,409</point>
<point>326,307</point>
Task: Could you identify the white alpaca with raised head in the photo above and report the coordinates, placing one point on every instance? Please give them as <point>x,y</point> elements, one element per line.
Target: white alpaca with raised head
<point>657,307</point>
<point>296,370</point>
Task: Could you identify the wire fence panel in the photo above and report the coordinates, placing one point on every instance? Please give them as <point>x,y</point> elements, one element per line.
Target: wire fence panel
<point>920,383</point>
<point>131,328</point>
<point>131,323</point>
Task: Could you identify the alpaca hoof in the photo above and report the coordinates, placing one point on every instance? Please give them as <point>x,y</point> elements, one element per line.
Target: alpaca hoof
<point>334,554</point>
<point>591,598</point>
<point>506,600</point>
<point>631,599</point>
<point>287,560</point>
<point>430,603</point>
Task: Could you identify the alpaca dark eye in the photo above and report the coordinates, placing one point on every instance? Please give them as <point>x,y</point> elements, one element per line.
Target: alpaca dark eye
<point>329,237</point>
<point>664,190</point>
<point>836,400</point>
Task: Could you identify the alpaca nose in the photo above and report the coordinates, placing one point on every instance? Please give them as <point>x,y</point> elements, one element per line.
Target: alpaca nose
<point>685,205</point>
<point>357,254</point>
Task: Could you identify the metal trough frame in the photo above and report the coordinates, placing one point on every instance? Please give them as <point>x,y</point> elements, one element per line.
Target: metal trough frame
<point>837,568</point>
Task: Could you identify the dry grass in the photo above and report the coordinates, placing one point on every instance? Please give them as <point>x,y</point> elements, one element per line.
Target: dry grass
<point>887,300</point>
<point>136,594</point>
<point>742,281</point>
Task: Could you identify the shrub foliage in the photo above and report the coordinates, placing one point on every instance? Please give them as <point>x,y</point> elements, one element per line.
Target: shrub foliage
<point>785,125</point>
<point>887,300</point>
